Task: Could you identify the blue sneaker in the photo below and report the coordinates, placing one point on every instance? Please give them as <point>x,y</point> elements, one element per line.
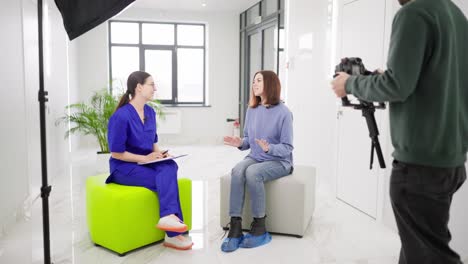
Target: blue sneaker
<point>251,241</point>
<point>231,243</point>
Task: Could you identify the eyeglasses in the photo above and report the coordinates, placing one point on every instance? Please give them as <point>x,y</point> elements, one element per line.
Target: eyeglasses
<point>151,84</point>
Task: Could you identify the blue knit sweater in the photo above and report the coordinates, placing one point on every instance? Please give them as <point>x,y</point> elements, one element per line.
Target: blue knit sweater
<point>273,124</point>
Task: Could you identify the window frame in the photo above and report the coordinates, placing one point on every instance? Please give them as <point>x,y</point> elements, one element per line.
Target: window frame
<point>174,48</point>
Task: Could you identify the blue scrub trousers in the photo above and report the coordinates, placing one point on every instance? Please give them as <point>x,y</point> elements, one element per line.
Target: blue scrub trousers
<point>160,177</point>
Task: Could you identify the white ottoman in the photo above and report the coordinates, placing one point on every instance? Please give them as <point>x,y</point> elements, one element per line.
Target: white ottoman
<point>290,202</point>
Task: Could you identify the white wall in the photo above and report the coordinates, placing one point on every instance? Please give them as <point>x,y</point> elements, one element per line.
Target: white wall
<point>200,125</point>
<point>14,180</point>
<point>20,139</point>
<point>74,84</point>
<point>462,4</point>
<point>55,83</point>
<point>309,96</point>
<point>31,79</point>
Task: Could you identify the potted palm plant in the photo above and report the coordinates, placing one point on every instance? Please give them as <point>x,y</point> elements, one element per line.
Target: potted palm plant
<point>92,118</point>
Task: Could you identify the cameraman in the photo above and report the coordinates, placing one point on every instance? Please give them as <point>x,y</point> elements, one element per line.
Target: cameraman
<point>426,84</point>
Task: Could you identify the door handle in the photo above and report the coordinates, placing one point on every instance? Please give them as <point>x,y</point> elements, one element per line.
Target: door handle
<point>339,113</point>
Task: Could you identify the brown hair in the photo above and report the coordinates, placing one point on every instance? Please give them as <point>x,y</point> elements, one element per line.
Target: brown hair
<point>271,89</point>
<point>135,78</point>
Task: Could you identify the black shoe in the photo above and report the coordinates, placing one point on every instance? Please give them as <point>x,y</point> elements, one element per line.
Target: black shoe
<point>235,227</point>
<point>257,235</point>
<point>258,227</point>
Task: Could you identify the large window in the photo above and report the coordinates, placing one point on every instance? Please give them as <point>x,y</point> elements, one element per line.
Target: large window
<point>173,53</point>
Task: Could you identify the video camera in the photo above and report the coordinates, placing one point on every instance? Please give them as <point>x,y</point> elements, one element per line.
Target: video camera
<point>354,66</point>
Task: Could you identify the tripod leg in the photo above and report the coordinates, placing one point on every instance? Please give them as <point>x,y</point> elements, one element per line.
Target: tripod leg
<point>379,154</point>
<point>371,155</point>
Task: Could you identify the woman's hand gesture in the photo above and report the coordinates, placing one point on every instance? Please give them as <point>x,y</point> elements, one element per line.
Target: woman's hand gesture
<point>233,141</point>
<point>263,144</point>
<point>154,156</point>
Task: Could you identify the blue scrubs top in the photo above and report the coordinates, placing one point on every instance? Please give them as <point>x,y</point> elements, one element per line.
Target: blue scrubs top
<point>126,132</point>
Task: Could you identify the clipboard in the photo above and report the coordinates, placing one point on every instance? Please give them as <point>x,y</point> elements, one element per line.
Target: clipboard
<point>163,159</point>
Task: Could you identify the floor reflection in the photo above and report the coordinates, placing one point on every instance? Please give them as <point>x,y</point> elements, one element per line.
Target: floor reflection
<point>337,234</point>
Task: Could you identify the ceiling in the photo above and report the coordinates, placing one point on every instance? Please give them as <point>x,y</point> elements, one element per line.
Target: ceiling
<point>197,5</point>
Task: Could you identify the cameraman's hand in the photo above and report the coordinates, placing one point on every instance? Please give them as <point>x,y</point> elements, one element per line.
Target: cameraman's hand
<point>379,71</point>
<point>338,84</point>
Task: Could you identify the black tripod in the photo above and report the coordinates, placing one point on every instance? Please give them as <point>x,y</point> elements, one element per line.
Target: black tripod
<point>368,110</point>
<point>354,66</point>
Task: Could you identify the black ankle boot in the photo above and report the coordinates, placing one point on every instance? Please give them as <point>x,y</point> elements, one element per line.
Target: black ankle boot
<point>258,228</point>
<point>235,229</point>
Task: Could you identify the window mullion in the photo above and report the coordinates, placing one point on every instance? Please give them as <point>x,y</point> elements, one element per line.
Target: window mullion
<point>175,94</point>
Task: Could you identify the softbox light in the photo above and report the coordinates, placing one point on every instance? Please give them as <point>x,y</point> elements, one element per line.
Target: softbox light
<point>80,16</point>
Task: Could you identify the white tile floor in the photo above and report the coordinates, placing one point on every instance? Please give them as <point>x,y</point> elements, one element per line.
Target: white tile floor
<point>337,233</point>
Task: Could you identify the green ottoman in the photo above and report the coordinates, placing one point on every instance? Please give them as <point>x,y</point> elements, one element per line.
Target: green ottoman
<point>123,218</point>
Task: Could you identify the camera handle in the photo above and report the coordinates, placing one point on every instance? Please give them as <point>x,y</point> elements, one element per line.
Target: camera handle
<point>345,101</point>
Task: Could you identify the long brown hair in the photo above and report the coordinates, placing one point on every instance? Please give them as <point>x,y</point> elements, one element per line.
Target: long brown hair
<point>135,78</point>
<point>271,89</point>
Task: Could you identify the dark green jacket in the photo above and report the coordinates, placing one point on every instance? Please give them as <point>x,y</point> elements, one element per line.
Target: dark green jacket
<point>426,83</point>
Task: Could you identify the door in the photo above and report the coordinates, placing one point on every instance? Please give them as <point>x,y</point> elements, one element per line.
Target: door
<point>362,35</point>
<point>262,54</point>
<point>260,45</point>
<point>254,64</point>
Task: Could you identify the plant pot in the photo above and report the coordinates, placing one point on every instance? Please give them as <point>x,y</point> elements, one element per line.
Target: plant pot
<point>102,162</point>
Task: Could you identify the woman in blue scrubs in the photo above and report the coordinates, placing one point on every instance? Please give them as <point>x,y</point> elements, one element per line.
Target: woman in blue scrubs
<point>132,138</point>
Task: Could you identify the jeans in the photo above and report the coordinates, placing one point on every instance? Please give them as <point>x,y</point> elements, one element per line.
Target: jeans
<point>421,197</point>
<point>253,174</point>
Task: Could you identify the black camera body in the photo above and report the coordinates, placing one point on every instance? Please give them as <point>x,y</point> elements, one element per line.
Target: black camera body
<point>354,66</point>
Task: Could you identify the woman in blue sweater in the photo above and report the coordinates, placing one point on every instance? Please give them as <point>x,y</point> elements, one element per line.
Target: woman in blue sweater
<point>268,133</point>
